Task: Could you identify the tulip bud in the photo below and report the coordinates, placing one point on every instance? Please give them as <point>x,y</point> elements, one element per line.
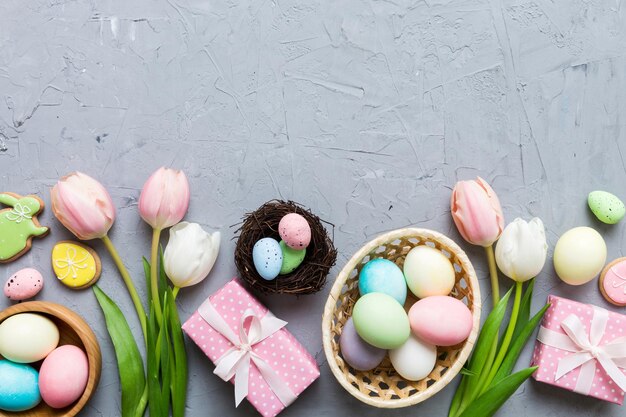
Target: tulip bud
<point>522,249</point>
<point>164,198</point>
<point>190,254</point>
<point>83,205</point>
<point>476,212</point>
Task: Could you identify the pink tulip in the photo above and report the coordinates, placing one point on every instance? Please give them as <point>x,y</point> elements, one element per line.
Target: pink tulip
<point>476,212</point>
<point>83,205</point>
<point>165,198</point>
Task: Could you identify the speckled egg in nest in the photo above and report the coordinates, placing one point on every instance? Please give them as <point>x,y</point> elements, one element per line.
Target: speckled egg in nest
<point>307,278</point>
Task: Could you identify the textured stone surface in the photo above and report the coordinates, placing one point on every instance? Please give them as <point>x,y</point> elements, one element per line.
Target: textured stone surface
<point>367,112</point>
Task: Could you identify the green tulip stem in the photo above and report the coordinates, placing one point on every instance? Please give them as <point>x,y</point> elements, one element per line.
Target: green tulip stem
<point>469,395</point>
<point>507,336</point>
<point>493,273</point>
<point>154,272</point>
<point>141,313</point>
<point>175,292</point>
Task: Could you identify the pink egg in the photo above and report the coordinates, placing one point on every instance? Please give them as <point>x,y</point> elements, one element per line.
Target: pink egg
<point>441,320</point>
<point>295,231</point>
<point>63,376</point>
<point>24,284</point>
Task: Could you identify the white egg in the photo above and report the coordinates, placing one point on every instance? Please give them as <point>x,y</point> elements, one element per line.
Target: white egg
<point>579,255</point>
<point>415,359</point>
<point>27,337</point>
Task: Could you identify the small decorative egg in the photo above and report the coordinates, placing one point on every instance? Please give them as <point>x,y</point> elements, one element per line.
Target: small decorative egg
<point>267,258</point>
<point>27,337</point>
<point>441,320</point>
<point>295,231</point>
<point>381,321</point>
<point>428,272</point>
<point>607,207</point>
<point>292,258</point>
<point>24,284</point>
<point>357,352</point>
<point>63,376</point>
<point>382,275</point>
<point>415,359</point>
<point>579,255</point>
<point>19,387</point>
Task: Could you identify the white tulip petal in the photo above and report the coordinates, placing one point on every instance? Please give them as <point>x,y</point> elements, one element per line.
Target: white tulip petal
<point>522,249</point>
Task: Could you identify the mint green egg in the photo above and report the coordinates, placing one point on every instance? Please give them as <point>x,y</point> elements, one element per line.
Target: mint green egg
<point>292,258</point>
<point>381,321</point>
<point>607,207</point>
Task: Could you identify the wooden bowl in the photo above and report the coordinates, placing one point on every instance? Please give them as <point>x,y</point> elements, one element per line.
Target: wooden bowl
<point>73,330</point>
<point>383,387</point>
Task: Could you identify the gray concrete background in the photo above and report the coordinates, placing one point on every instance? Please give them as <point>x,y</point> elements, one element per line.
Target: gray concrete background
<point>365,111</point>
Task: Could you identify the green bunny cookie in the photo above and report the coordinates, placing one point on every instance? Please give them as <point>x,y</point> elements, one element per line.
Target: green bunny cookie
<point>18,225</point>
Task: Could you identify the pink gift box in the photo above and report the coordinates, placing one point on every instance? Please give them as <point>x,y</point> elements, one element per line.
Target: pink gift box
<point>548,358</point>
<point>281,351</point>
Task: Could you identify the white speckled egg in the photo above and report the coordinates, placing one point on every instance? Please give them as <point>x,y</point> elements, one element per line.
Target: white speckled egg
<point>295,231</point>
<point>415,359</point>
<point>267,257</point>
<point>27,337</point>
<point>579,255</point>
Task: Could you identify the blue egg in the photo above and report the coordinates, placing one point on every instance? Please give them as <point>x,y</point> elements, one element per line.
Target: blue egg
<point>19,386</point>
<point>267,257</point>
<point>382,275</point>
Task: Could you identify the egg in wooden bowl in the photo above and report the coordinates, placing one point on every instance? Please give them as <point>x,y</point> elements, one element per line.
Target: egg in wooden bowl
<point>65,343</point>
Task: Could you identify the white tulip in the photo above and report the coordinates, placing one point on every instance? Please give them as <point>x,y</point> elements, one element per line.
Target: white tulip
<point>190,254</point>
<point>522,249</point>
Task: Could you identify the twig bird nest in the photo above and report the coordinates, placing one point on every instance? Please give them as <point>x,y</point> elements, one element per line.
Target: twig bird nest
<point>307,278</point>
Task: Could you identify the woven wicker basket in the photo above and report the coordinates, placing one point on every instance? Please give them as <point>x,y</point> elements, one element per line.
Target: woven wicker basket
<point>382,387</point>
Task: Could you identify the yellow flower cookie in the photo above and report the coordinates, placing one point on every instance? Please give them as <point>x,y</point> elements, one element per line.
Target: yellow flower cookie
<point>76,265</point>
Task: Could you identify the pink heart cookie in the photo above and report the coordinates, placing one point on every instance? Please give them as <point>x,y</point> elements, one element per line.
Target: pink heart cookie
<point>613,282</point>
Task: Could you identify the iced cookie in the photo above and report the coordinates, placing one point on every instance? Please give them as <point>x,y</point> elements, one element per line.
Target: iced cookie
<point>76,265</point>
<point>24,284</point>
<point>613,282</point>
<point>18,225</point>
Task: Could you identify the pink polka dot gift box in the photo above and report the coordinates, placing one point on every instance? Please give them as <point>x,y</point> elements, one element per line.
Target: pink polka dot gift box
<point>251,348</point>
<point>582,348</point>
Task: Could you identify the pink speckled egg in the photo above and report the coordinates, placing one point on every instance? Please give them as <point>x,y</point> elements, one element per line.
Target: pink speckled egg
<point>24,284</point>
<point>441,320</point>
<point>63,376</point>
<point>295,231</point>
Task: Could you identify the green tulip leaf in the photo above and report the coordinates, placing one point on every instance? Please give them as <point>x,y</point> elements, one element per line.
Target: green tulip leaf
<point>524,311</point>
<point>516,347</point>
<point>484,345</point>
<point>165,361</point>
<point>129,361</point>
<point>487,404</point>
<point>154,386</point>
<point>179,380</point>
<point>458,396</point>
<point>146,271</point>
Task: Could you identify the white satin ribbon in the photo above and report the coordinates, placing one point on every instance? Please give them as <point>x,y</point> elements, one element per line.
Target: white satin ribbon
<point>587,350</point>
<point>236,361</point>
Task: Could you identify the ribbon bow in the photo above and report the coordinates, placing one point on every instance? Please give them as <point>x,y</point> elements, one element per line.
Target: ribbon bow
<point>236,361</point>
<point>19,213</point>
<point>587,350</point>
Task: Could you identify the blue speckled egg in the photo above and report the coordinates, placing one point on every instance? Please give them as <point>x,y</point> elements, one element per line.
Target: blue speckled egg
<point>382,275</point>
<point>19,386</point>
<point>267,257</point>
